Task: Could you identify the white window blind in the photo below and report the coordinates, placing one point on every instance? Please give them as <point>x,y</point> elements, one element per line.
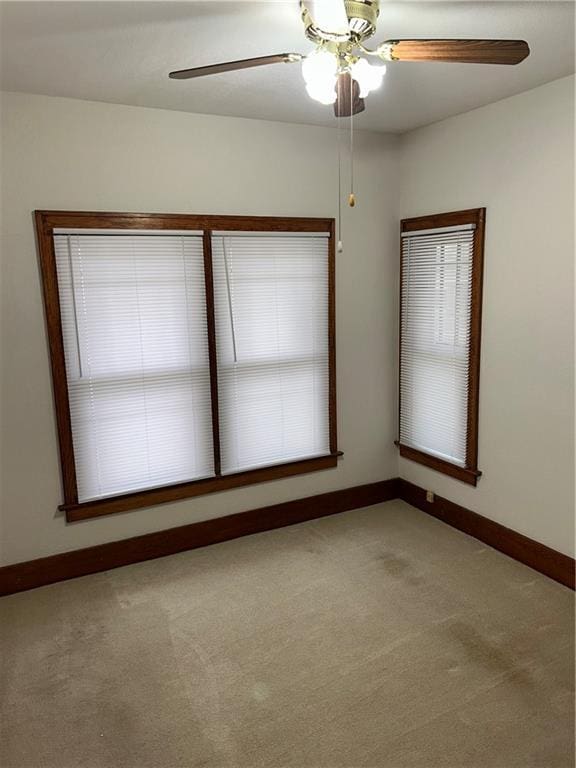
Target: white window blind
<point>271,307</point>
<point>435,340</point>
<point>133,313</point>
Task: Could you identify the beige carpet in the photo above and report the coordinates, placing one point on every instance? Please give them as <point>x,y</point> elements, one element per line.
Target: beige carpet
<point>378,637</point>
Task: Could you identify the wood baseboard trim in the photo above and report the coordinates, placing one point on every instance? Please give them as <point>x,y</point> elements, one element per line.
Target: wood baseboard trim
<point>103,557</point>
<point>548,561</point>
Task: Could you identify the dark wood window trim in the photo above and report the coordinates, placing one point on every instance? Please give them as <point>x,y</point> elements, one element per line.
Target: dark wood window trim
<point>46,223</point>
<point>470,473</point>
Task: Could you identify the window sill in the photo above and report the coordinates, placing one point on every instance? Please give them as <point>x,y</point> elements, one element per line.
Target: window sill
<point>149,498</point>
<point>464,474</point>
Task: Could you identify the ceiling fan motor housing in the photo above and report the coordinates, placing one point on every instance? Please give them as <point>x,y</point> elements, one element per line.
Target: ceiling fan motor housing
<point>362,16</point>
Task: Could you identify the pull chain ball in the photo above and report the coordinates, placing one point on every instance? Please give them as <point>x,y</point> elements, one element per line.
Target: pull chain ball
<point>351,200</point>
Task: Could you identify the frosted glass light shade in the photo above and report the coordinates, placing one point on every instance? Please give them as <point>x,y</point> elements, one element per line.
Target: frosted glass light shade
<point>368,76</point>
<point>319,70</point>
<point>324,93</point>
<point>330,16</point>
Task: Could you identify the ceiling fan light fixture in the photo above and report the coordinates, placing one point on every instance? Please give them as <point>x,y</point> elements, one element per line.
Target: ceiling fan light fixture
<point>320,70</point>
<point>368,76</point>
<point>325,93</point>
<point>319,66</point>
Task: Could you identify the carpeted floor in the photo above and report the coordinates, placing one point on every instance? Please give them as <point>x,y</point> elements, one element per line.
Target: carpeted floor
<point>379,637</point>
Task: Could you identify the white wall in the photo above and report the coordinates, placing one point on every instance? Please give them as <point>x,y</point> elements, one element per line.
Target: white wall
<point>75,155</point>
<point>515,157</point>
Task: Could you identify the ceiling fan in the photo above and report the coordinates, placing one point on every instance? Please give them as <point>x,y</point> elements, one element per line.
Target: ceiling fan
<point>338,73</point>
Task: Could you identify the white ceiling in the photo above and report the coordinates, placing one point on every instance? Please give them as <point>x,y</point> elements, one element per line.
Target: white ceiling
<point>121,52</point>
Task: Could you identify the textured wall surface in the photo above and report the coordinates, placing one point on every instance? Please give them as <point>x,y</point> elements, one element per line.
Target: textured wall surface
<point>77,155</point>
<point>516,158</point>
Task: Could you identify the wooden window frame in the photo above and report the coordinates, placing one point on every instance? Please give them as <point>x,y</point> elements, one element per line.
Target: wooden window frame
<point>470,472</point>
<point>46,223</point>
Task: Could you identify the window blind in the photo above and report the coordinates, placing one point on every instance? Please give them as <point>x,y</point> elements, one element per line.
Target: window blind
<point>271,310</point>
<point>435,340</point>
<point>133,312</point>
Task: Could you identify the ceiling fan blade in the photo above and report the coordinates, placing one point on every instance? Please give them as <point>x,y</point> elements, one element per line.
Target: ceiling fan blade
<point>330,16</point>
<point>231,66</point>
<point>348,101</point>
<point>464,51</point>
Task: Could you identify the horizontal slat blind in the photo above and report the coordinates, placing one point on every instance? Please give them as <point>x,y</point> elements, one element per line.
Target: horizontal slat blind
<point>271,306</point>
<point>134,328</point>
<point>435,341</point>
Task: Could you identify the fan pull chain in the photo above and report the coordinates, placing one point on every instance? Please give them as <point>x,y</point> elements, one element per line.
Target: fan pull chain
<point>339,247</point>
<point>351,197</point>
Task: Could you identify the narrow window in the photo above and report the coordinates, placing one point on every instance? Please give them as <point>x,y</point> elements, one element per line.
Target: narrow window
<point>440,322</point>
<point>190,354</point>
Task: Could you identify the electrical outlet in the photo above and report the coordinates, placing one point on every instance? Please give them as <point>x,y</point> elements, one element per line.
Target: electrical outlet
<point>430,496</point>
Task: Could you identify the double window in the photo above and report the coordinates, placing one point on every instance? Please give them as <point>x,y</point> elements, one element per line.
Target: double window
<point>440,317</point>
<point>189,354</point>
